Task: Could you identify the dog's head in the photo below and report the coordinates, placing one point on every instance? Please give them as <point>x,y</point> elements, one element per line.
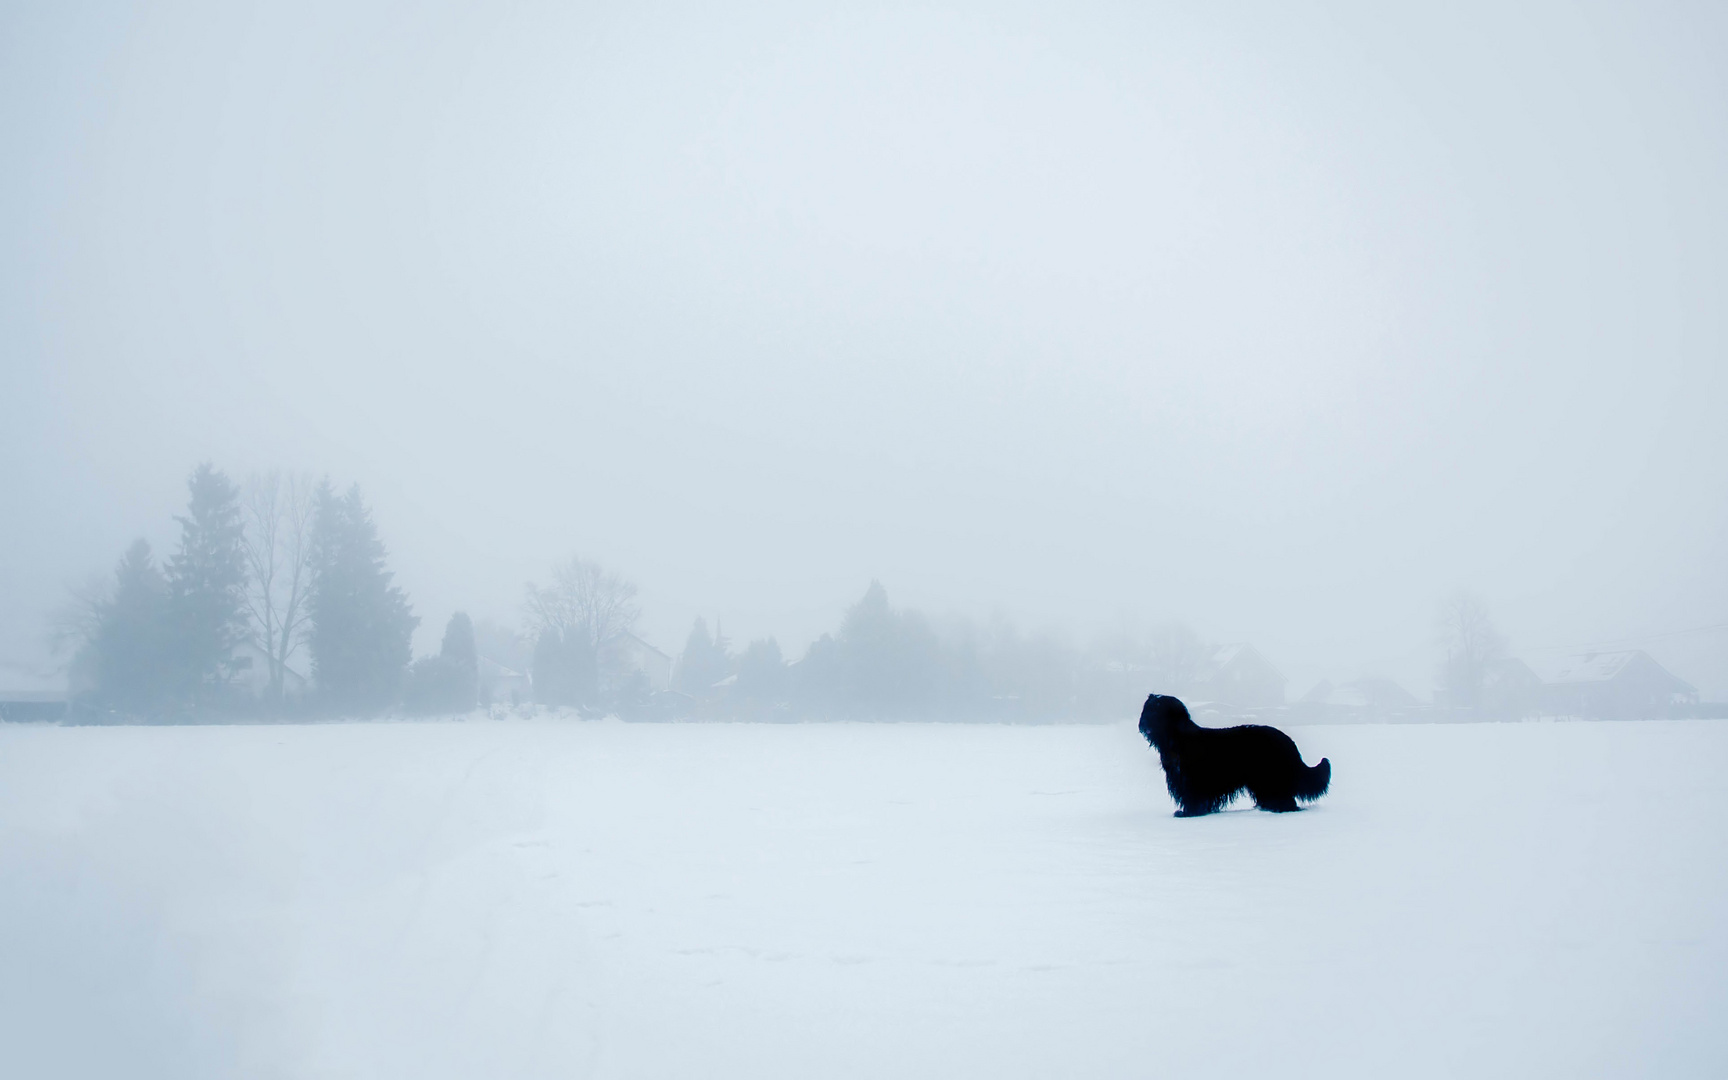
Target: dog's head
<point>1162,718</point>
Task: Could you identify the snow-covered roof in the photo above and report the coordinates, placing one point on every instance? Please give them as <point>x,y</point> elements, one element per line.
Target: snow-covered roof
<point>1585,669</point>
<point>1512,670</point>
<point>1361,694</point>
<point>492,669</point>
<point>632,638</point>
<point>1228,654</point>
<point>1600,667</point>
<point>1591,667</point>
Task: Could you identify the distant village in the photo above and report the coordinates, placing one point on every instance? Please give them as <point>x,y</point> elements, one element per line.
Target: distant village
<point>277,605</point>
<point>1624,685</point>
<point>1234,683</point>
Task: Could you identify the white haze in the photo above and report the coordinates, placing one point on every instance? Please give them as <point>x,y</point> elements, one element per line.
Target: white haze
<point>1282,320</point>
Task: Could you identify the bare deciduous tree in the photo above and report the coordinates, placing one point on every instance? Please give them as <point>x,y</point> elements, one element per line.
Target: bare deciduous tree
<point>586,601</point>
<point>577,622</point>
<point>1473,646</point>
<point>74,623</point>
<point>278,544</point>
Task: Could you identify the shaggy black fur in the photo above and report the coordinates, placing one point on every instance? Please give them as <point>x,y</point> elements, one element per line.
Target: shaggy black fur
<point>1206,767</point>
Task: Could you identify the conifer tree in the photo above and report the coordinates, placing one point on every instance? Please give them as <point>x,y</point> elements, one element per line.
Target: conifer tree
<point>457,650</point>
<point>564,668</point>
<point>761,675</point>
<point>127,651</point>
<point>450,681</point>
<point>207,585</point>
<point>890,664</point>
<point>704,661</point>
<point>362,625</point>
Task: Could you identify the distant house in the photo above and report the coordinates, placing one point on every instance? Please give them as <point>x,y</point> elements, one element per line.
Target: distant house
<point>28,693</point>
<point>500,685</point>
<point>1623,685</point>
<point>250,669</point>
<point>1358,701</point>
<point>1240,675</point>
<point>1510,688</point>
<point>636,654</point>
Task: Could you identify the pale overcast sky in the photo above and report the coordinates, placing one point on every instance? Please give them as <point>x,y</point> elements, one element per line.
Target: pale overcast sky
<point>1281,319</point>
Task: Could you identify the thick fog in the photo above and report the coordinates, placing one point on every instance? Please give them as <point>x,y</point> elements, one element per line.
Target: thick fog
<point>1283,322</point>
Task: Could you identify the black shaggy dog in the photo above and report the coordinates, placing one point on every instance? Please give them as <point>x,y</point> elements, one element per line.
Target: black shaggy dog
<point>1205,767</point>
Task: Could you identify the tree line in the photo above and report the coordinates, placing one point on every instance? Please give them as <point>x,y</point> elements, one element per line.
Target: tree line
<point>277,600</point>
<point>893,663</point>
<point>881,663</point>
<point>260,575</point>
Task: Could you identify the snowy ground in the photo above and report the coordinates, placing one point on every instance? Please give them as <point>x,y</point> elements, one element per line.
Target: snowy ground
<point>489,899</point>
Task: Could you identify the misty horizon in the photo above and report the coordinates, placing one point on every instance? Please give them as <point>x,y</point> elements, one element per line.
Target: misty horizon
<point>1281,327</point>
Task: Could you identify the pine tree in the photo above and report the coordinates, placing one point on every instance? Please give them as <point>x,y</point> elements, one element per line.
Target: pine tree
<point>362,625</point>
<point>207,585</point>
<point>817,681</point>
<point>761,675</point>
<point>890,663</point>
<point>704,661</point>
<point>450,681</point>
<point>127,652</point>
<point>565,671</point>
<point>457,650</point>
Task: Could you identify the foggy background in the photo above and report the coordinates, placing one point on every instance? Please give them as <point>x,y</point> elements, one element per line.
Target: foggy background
<point>1284,322</point>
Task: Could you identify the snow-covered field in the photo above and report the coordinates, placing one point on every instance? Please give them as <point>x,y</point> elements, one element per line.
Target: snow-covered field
<point>488,899</point>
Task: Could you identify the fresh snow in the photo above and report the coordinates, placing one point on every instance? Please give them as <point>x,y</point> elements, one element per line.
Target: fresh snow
<point>536,899</point>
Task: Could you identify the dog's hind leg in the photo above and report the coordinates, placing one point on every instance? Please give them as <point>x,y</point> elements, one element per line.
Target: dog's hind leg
<point>1280,803</point>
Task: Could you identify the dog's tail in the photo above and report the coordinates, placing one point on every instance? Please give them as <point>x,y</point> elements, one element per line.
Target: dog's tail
<point>1311,782</point>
